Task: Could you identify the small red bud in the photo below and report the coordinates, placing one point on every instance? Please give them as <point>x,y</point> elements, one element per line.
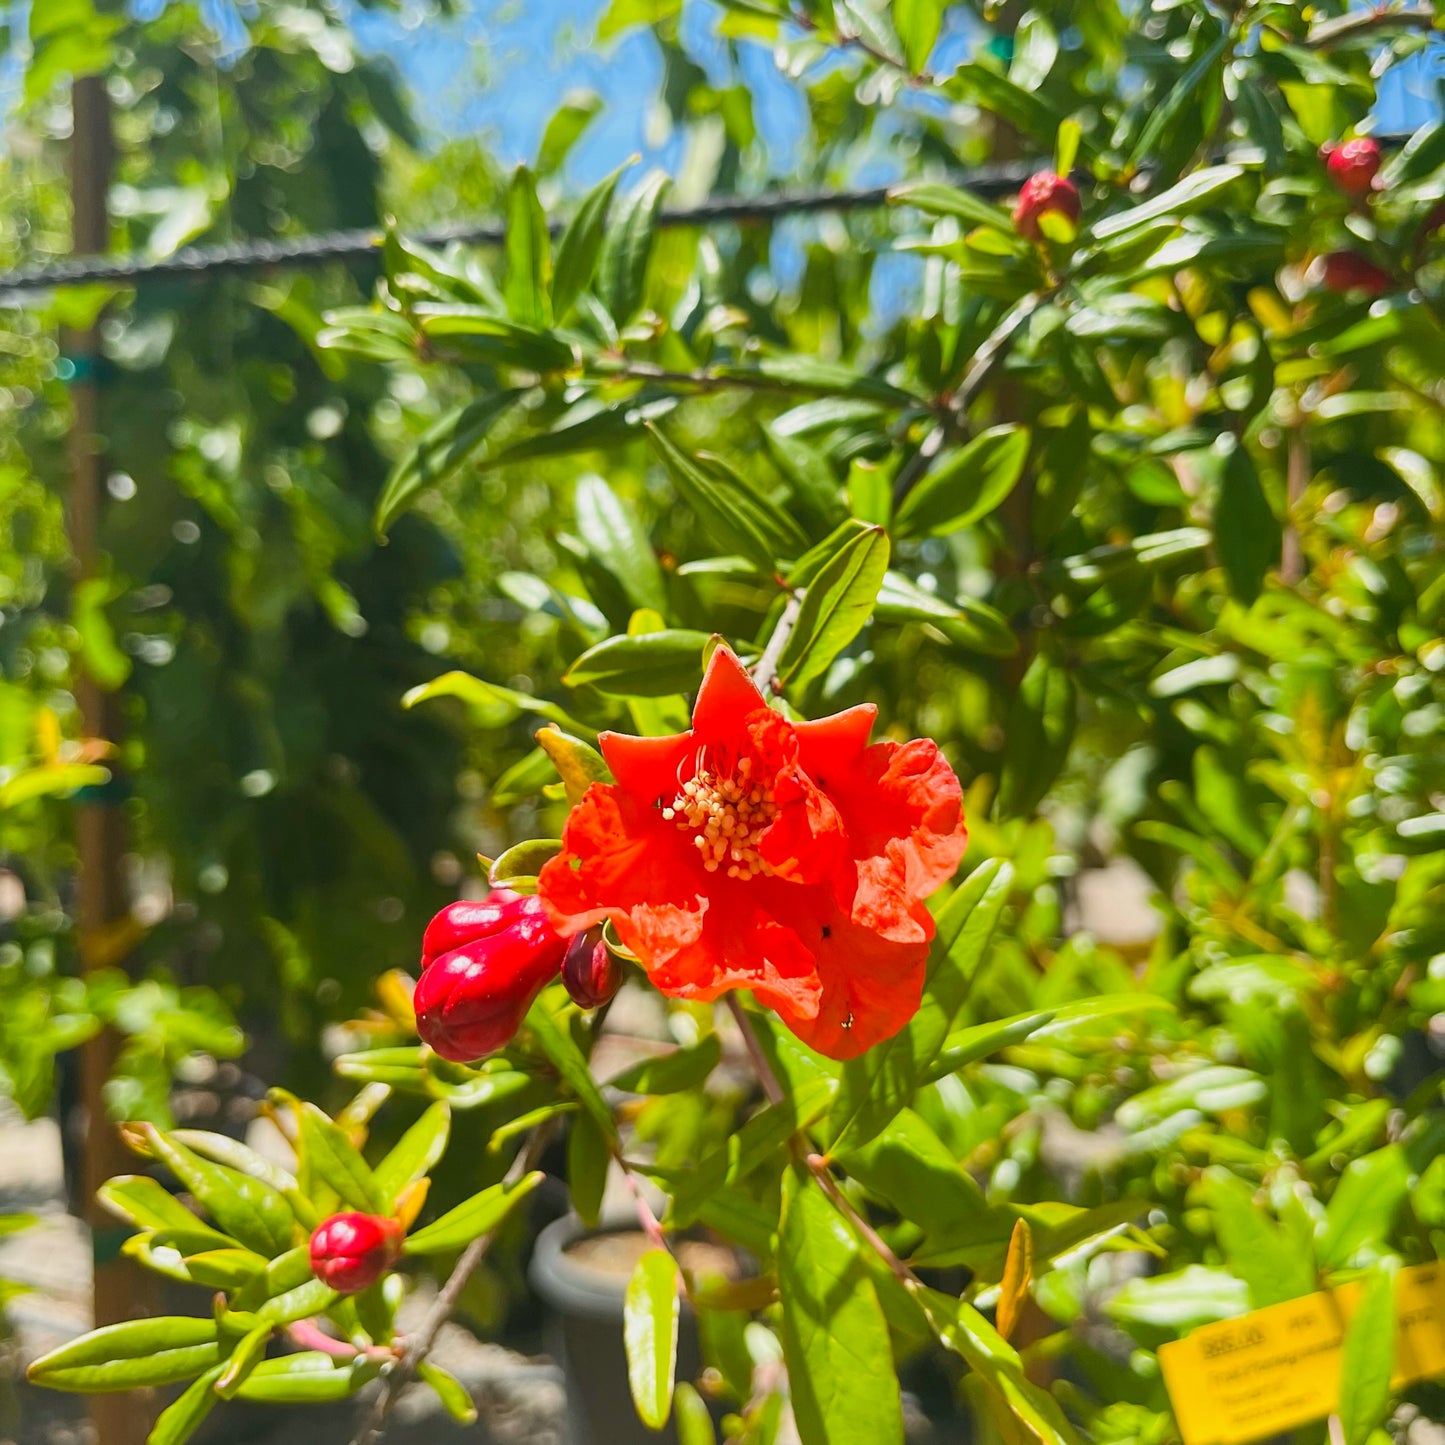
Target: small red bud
<point>1042,194</point>
<point>591,973</point>
<point>465,921</point>
<point>1353,166</point>
<point>351,1251</point>
<point>1349,271</point>
<point>471,1000</point>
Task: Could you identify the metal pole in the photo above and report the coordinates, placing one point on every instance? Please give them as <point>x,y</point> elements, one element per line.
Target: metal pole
<point>120,1291</point>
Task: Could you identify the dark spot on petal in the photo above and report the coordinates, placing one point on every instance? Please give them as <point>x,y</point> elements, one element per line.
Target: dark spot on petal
<point>827,932</point>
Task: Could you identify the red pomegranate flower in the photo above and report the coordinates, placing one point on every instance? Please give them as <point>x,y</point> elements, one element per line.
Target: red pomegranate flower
<point>1045,194</point>
<point>752,852</point>
<point>351,1251</point>
<point>1353,165</point>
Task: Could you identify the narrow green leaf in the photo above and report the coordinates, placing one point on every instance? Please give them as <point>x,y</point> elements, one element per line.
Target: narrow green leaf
<point>148,1204</point>
<point>517,868</point>
<point>649,1331</point>
<point>694,1421</point>
<point>671,1073</point>
<point>474,1217</point>
<point>1166,116</point>
<point>936,199</point>
<point>308,1378</point>
<point>328,1155</point>
<point>1263,1255</point>
<point>556,1042</point>
<point>809,474</point>
<point>1363,1207</point>
<point>1369,1359</point>
<point>183,1416</point>
<point>1188,195</point>
<point>442,452</point>
<point>1247,534</point>
<point>836,606</point>
<point>137,1353</point>
<point>529,254</point>
<point>414,1154</point>
<point>966,486</point>
<point>967,623</point>
<point>917,23</point>
<point>616,539</point>
<point>243,1359</point>
<point>835,1338</point>
<point>588,1159</point>
<point>1038,731</point>
<point>494,705</point>
<point>581,244</point>
<point>455,1397</point>
<point>626,248</point>
<point>651,664</point>
<point>565,129</point>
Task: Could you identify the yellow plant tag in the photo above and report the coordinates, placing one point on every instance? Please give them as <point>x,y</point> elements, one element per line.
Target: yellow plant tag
<point>1276,1368</point>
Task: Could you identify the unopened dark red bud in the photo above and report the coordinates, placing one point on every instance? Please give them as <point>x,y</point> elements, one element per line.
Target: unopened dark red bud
<point>1353,165</point>
<point>589,970</point>
<point>470,1002</point>
<point>1043,194</point>
<point>467,920</point>
<point>1349,271</point>
<point>351,1251</point>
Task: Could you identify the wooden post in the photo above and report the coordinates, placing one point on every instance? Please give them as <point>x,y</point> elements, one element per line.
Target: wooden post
<point>121,1290</point>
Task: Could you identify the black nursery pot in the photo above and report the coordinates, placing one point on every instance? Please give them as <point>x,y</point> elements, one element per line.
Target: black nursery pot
<point>583,1332</point>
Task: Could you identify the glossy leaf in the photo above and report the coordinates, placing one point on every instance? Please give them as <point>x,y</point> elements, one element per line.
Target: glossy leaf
<point>965,486</point>
<point>481,1214</point>
<point>1246,531</point>
<point>157,1351</point>
<point>329,1156</point>
<point>581,245</point>
<point>456,1399</point>
<point>529,254</point>
<point>835,1339</point>
<point>654,664</point>
<point>627,246</point>
<point>836,606</point>
<point>414,1154</point>
<point>616,538</point>
<point>650,1314</point>
<point>1368,1359</point>
<point>588,1161</point>
<point>671,1073</point>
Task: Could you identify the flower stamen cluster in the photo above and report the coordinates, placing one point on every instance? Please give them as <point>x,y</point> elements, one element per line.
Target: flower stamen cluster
<point>728,817</point>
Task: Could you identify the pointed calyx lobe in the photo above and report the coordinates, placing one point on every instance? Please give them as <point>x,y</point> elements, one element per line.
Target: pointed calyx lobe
<point>792,859</point>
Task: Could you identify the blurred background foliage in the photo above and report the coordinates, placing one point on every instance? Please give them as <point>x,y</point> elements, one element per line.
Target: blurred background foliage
<point>1181,626</point>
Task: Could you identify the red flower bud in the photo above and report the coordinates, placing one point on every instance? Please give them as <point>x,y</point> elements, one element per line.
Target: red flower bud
<point>471,999</point>
<point>1353,166</point>
<point>1350,271</point>
<point>1045,194</point>
<point>351,1251</point>
<point>590,971</point>
<point>467,920</point>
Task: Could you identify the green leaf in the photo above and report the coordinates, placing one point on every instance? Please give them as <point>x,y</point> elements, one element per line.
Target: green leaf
<point>967,1046</point>
<point>1247,534</point>
<point>455,1397</point>
<point>1165,118</point>
<point>441,453</point>
<point>623,15</point>
<point>880,1083</point>
<point>299,1303</point>
<point>626,247</point>
<point>517,868</point>
<point>615,537</point>
<point>556,1042</point>
<point>809,474</point>
<point>936,199</point>
<point>835,1338</point>
<point>581,245</point>
<point>148,1204</point>
<point>282,1275</point>
<point>649,1331</point>
<point>494,704</point>
<point>651,664</point>
<point>965,486</point>
<point>414,1154</point>
<point>247,1209</point>
<point>694,1420</point>
<point>1038,731</point>
<point>971,625</point>
<point>1190,194</point>
<point>1266,1257</point>
<point>308,1378</point>
<point>565,129</point>
<point>328,1155</point>
<point>249,1352</point>
<point>673,1072</point>
<point>127,1356</point>
<point>1023,109</point>
<point>917,23</point>
<point>183,1416</point>
<point>1362,1210</point>
<point>836,606</point>
<point>963,1330</point>
<point>1368,1359</point>
<point>529,254</point>
<point>474,1217</point>
<point>588,1159</point>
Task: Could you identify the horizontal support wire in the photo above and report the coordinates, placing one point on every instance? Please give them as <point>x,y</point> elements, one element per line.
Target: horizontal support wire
<point>302,252</point>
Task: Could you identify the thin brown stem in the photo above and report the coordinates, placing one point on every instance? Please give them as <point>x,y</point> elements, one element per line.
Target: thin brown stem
<point>1360,22</point>
<point>420,1344</point>
<point>818,1167</point>
<point>765,674</point>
